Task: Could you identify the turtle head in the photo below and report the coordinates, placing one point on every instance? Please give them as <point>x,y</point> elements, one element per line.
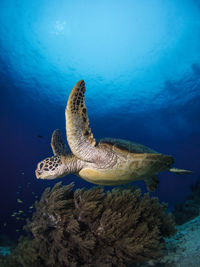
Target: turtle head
<point>50,168</point>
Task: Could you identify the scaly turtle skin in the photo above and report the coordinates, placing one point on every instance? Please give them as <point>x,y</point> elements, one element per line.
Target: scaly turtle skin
<point>106,162</point>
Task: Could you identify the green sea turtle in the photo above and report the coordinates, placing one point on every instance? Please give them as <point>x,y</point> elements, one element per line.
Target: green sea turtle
<point>108,161</point>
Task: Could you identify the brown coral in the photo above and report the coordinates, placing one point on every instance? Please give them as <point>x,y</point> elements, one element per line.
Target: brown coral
<point>97,228</point>
<point>26,254</point>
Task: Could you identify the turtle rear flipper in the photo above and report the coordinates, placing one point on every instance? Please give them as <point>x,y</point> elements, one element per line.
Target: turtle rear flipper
<point>152,183</point>
<point>79,136</point>
<point>58,146</point>
<point>180,171</point>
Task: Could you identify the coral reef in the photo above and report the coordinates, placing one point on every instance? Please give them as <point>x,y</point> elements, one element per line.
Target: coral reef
<point>183,249</point>
<point>94,228</point>
<point>190,208</point>
<point>4,250</point>
<point>25,254</point>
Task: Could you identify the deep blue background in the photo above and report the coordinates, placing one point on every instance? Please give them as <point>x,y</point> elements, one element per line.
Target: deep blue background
<point>141,65</point>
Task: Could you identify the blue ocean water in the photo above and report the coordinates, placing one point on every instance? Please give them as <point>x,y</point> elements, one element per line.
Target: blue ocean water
<point>141,64</point>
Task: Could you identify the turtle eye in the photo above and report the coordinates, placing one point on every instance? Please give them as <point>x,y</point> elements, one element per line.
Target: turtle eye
<point>41,165</point>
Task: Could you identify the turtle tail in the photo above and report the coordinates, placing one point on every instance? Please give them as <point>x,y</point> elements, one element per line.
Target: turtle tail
<point>180,171</point>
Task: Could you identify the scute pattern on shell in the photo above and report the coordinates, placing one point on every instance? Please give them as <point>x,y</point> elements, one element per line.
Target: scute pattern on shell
<point>126,145</point>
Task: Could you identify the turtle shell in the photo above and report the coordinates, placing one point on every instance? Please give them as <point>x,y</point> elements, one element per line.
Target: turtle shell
<point>129,146</point>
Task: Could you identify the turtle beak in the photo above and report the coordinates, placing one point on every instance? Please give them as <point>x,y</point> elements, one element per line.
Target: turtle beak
<point>38,173</point>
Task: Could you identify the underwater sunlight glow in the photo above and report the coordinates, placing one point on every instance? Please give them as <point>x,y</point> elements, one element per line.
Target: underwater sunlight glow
<point>133,47</point>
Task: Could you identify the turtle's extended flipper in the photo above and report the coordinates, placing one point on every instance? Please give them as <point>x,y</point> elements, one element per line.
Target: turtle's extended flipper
<point>57,144</point>
<point>79,136</point>
<point>180,171</point>
<point>152,183</point>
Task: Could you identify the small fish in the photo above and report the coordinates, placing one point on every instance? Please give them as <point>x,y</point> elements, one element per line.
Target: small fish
<point>20,212</point>
<point>19,200</point>
<point>31,207</point>
<point>39,136</point>
<point>5,224</point>
<point>22,173</point>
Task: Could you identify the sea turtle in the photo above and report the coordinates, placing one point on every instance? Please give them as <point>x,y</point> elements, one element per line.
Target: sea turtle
<point>108,161</point>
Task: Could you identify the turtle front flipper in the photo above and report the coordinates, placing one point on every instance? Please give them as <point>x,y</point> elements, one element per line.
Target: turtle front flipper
<point>57,144</point>
<point>79,136</point>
